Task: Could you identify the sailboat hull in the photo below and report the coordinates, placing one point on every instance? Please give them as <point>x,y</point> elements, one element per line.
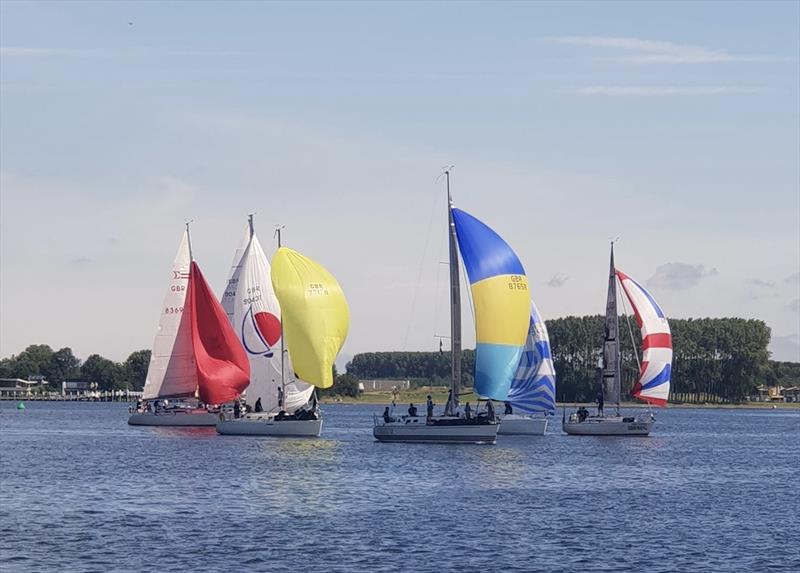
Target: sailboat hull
<point>268,426</point>
<point>201,418</point>
<point>611,426</point>
<point>415,430</point>
<point>517,425</point>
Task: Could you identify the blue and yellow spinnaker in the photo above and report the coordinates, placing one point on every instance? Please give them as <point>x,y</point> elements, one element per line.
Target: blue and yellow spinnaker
<point>502,304</point>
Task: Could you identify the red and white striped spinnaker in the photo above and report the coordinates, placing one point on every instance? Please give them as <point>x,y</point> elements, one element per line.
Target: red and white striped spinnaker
<point>653,384</point>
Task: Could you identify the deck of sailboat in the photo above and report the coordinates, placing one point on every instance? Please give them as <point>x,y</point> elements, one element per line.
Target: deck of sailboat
<point>609,426</point>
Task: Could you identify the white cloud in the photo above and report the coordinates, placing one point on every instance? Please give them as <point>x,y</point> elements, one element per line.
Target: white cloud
<point>679,276</point>
<point>649,91</point>
<point>793,279</point>
<point>785,348</point>
<point>760,283</point>
<point>639,51</point>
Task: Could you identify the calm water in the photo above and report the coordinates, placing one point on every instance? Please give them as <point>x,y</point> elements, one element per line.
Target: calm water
<point>711,490</point>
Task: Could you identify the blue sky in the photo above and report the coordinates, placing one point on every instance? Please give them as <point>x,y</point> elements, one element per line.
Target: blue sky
<point>673,125</point>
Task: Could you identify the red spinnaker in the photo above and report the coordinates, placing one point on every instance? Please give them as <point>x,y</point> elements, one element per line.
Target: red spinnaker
<point>223,370</point>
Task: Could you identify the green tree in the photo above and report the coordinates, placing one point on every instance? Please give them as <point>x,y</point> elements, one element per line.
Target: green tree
<point>136,368</point>
<point>63,365</point>
<point>108,375</point>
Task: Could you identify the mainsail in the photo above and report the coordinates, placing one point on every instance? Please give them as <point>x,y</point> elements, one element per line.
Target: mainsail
<point>654,379</point>
<point>255,316</point>
<point>502,304</point>
<point>611,376</point>
<point>172,372</point>
<point>534,386</point>
<point>314,312</point>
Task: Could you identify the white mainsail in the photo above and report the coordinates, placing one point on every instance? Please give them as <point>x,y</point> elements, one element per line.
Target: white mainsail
<point>256,320</point>
<point>229,295</point>
<point>172,371</point>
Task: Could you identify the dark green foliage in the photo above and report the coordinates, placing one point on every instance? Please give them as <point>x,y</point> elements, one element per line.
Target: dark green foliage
<point>136,368</point>
<point>107,374</point>
<point>715,359</point>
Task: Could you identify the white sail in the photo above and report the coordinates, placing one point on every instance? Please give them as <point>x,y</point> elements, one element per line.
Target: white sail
<point>229,296</point>
<point>256,321</point>
<point>172,370</point>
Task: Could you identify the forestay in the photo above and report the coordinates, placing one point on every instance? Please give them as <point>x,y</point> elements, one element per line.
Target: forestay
<point>654,379</point>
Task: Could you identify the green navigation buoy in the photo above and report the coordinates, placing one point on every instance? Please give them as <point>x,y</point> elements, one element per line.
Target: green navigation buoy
<point>21,406</point>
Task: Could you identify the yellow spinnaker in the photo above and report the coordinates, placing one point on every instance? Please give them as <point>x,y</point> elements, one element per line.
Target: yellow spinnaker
<point>314,314</point>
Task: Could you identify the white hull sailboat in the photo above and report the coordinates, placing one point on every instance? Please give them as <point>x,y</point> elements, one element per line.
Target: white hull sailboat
<point>500,293</point>
<point>655,367</point>
<point>196,357</point>
<point>519,425</point>
<point>266,425</point>
<point>415,429</point>
<point>298,298</point>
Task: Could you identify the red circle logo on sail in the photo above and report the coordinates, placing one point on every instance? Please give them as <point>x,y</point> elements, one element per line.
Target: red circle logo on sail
<point>269,326</point>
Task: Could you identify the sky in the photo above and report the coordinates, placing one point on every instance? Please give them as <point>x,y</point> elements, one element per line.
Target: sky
<point>674,126</point>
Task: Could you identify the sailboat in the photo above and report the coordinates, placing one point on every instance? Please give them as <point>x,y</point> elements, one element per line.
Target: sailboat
<point>296,300</point>
<point>532,396</point>
<point>500,294</point>
<point>654,369</point>
<point>196,360</point>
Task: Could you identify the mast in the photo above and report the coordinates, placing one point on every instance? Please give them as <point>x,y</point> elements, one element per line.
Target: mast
<point>278,229</point>
<point>611,357</point>
<point>455,305</point>
<point>189,240</point>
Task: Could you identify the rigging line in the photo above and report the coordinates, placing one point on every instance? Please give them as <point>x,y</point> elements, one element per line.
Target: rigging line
<point>630,330</point>
<point>421,268</point>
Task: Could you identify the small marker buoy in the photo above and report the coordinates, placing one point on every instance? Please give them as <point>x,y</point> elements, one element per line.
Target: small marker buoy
<point>21,406</point>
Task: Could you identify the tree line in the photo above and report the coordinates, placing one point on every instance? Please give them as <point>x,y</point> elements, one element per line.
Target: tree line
<point>41,361</point>
<point>715,360</point>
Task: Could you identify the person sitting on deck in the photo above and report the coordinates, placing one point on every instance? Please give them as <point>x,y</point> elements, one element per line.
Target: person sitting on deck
<point>430,407</point>
<point>412,410</point>
<point>509,409</point>
<point>583,413</point>
<point>468,411</point>
<point>259,408</point>
<point>386,416</point>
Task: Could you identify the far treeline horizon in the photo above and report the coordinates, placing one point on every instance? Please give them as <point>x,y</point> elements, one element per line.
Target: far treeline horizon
<point>715,360</point>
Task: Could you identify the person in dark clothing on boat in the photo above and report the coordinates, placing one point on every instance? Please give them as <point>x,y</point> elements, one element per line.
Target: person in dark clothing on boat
<point>280,397</point>
<point>449,405</point>
<point>468,411</point>
<point>412,410</point>
<point>490,410</point>
<point>386,416</point>
<point>259,408</point>
<point>509,409</point>
<point>583,413</point>
<point>599,403</point>
<point>430,407</point>
<point>236,409</point>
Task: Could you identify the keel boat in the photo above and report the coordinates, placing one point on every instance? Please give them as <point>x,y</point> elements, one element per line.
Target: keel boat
<point>501,299</point>
<point>654,369</point>
<point>197,362</point>
<point>296,299</point>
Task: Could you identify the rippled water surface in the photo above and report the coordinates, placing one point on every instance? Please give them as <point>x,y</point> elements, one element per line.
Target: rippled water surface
<point>710,490</point>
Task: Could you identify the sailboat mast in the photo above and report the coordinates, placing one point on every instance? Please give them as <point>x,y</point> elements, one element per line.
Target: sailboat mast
<point>611,352</point>
<point>455,305</point>
<point>189,240</point>
<point>278,229</point>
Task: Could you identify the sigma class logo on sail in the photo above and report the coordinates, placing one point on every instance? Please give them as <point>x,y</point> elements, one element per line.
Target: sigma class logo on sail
<point>260,330</point>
